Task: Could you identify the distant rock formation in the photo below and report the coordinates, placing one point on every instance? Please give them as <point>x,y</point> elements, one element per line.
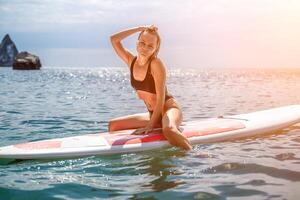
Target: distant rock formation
<point>8,51</point>
<point>26,61</point>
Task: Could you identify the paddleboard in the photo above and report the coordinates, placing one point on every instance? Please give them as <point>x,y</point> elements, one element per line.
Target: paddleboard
<point>203,131</point>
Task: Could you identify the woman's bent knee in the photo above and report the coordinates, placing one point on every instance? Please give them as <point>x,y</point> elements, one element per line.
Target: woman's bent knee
<point>128,122</point>
<point>112,125</point>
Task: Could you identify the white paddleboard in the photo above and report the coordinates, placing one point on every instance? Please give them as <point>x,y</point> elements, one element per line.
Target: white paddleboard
<point>197,132</point>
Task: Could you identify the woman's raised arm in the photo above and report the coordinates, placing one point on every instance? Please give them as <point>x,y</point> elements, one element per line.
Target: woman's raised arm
<point>116,39</point>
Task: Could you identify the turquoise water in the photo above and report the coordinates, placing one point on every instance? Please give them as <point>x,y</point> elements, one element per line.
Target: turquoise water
<point>60,102</point>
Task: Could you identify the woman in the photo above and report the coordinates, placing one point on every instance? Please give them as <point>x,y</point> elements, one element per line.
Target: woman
<point>148,78</point>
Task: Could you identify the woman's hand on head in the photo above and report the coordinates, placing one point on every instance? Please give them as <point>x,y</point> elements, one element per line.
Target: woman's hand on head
<point>151,27</point>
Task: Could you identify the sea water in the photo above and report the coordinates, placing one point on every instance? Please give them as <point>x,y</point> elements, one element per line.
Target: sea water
<point>61,102</point>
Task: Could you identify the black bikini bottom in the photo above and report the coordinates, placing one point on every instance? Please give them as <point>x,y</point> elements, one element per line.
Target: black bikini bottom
<point>159,123</point>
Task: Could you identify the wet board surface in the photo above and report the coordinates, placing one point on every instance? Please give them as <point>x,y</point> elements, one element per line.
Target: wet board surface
<point>197,132</point>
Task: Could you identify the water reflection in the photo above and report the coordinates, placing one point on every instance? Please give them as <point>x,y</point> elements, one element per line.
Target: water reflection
<point>163,166</point>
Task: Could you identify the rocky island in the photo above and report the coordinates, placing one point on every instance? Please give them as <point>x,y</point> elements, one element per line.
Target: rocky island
<point>9,56</point>
<point>8,52</point>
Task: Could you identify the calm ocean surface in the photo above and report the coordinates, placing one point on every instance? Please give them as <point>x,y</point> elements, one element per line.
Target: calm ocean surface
<point>60,102</point>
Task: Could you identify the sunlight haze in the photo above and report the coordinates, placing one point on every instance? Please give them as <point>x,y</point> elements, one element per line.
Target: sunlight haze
<point>233,33</point>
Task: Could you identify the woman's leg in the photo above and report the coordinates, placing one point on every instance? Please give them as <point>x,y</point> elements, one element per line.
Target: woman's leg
<point>171,121</point>
<point>129,122</point>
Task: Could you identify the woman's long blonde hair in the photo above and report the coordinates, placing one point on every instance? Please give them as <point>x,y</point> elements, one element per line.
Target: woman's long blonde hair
<point>153,32</point>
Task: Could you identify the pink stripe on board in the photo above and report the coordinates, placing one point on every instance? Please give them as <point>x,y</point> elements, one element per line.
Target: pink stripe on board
<point>39,145</point>
<point>209,128</point>
<point>217,128</point>
<point>133,139</point>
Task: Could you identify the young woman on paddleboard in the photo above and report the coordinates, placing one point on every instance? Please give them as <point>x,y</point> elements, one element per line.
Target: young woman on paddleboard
<point>148,78</point>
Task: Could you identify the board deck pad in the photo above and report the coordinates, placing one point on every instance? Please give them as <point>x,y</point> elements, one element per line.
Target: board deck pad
<point>126,137</point>
<point>39,145</point>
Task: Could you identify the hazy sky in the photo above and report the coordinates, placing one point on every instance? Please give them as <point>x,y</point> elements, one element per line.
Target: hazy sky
<point>195,33</point>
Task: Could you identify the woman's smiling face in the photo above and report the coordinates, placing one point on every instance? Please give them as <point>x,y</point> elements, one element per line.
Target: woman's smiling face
<point>147,44</point>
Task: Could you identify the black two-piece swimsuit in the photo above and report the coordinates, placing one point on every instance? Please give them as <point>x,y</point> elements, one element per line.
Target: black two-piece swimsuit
<point>147,85</point>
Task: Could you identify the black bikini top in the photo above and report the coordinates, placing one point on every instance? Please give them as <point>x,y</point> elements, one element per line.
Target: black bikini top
<point>147,84</point>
